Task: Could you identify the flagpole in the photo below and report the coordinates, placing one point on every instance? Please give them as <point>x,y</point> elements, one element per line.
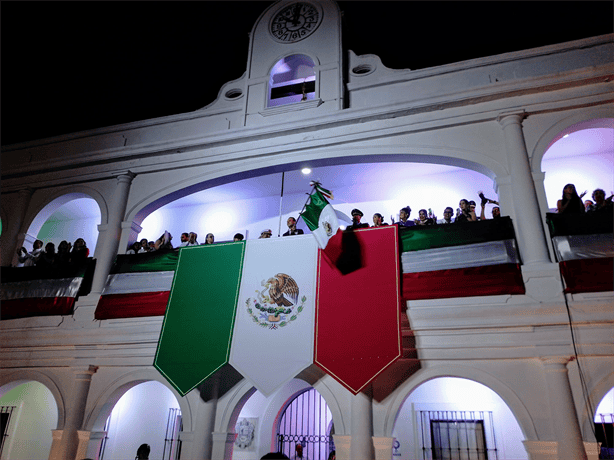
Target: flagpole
<point>281,197</point>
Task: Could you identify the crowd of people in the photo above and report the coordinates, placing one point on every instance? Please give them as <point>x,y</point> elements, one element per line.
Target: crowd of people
<point>67,254</point>
<point>466,212</point>
<point>571,202</point>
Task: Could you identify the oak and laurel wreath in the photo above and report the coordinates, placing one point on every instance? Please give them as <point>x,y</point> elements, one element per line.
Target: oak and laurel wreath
<point>274,311</point>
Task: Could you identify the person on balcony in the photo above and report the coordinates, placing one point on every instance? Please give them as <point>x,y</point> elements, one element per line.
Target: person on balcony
<point>292,230</point>
<point>80,252</point>
<point>209,238</point>
<point>602,204</point>
<point>185,239</point>
<point>447,216</point>
<point>47,257</point>
<point>135,248</point>
<point>238,237</point>
<point>571,203</point>
<point>464,212</point>
<point>29,259</point>
<point>144,245</point>
<point>164,242</point>
<point>192,241</point>
<point>266,233</point>
<point>63,255</point>
<point>404,221</point>
<point>356,216</point>
<point>378,220</point>
<point>423,218</point>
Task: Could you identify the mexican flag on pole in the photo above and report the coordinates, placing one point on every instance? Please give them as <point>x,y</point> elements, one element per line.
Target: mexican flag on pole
<point>320,216</point>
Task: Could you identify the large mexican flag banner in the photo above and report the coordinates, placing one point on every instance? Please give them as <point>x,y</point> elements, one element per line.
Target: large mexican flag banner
<point>253,305</point>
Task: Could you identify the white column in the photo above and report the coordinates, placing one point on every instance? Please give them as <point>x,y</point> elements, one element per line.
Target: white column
<point>530,231</point>
<point>75,412</point>
<point>361,425</point>
<point>204,425</point>
<point>11,230</point>
<point>383,448</point>
<point>112,233</point>
<point>563,410</point>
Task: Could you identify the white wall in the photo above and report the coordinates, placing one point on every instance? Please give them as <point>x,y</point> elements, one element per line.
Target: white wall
<point>31,423</point>
<point>139,417</point>
<point>455,394</point>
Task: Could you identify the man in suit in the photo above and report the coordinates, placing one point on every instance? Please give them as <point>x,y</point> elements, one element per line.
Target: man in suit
<point>292,230</point>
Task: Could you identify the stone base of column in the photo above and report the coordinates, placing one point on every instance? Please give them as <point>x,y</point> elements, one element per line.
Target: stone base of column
<point>54,453</point>
<point>592,450</point>
<point>541,450</point>
<point>382,448</point>
<point>548,450</point>
<point>342,446</point>
<point>543,282</point>
<point>84,439</point>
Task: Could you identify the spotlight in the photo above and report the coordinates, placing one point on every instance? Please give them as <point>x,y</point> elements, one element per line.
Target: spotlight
<point>306,171</point>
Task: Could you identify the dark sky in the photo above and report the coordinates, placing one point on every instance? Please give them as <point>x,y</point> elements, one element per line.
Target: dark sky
<point>72,66</point>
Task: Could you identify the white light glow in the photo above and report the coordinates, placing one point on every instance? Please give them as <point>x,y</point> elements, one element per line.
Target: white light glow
<point>306,171</point>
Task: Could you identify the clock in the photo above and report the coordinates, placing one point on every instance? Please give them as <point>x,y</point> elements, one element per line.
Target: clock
<point>295,22</point>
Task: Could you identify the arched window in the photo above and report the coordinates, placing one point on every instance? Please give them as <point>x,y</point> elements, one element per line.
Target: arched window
<point>293,79</point>
<point>307,421</point>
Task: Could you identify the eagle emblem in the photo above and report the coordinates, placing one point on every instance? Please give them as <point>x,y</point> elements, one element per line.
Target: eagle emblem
<point>278,302</point>
<point>327,228</point>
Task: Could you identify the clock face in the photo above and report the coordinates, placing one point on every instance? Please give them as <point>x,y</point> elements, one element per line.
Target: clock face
<point>295,22</point>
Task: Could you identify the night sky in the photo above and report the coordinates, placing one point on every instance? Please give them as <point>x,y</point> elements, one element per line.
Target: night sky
<point>72,66</point>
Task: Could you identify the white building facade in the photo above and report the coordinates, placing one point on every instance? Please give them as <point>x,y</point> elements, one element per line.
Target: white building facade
<point>496,116</point>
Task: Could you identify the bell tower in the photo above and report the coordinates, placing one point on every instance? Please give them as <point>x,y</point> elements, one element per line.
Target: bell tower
<point>294,68</point>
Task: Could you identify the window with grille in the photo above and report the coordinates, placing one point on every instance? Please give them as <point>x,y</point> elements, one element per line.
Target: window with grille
<point>307,421</point>
<point>5,419</point>
<point>172,444</point>
<point>457,435</point>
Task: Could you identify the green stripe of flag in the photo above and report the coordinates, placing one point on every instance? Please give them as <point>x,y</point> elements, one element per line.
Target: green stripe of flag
<point>440,236</point>
<point>197,330</point>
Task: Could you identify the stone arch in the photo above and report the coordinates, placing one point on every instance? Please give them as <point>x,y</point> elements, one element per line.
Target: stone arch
<point>104,402</point>
<point>503,391</point>
<point>478,162</point>
<point>594,117</point>
<point>244,390</point>
<point>596,395</point>
<point>60,197</point>
<point>10,380</point>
